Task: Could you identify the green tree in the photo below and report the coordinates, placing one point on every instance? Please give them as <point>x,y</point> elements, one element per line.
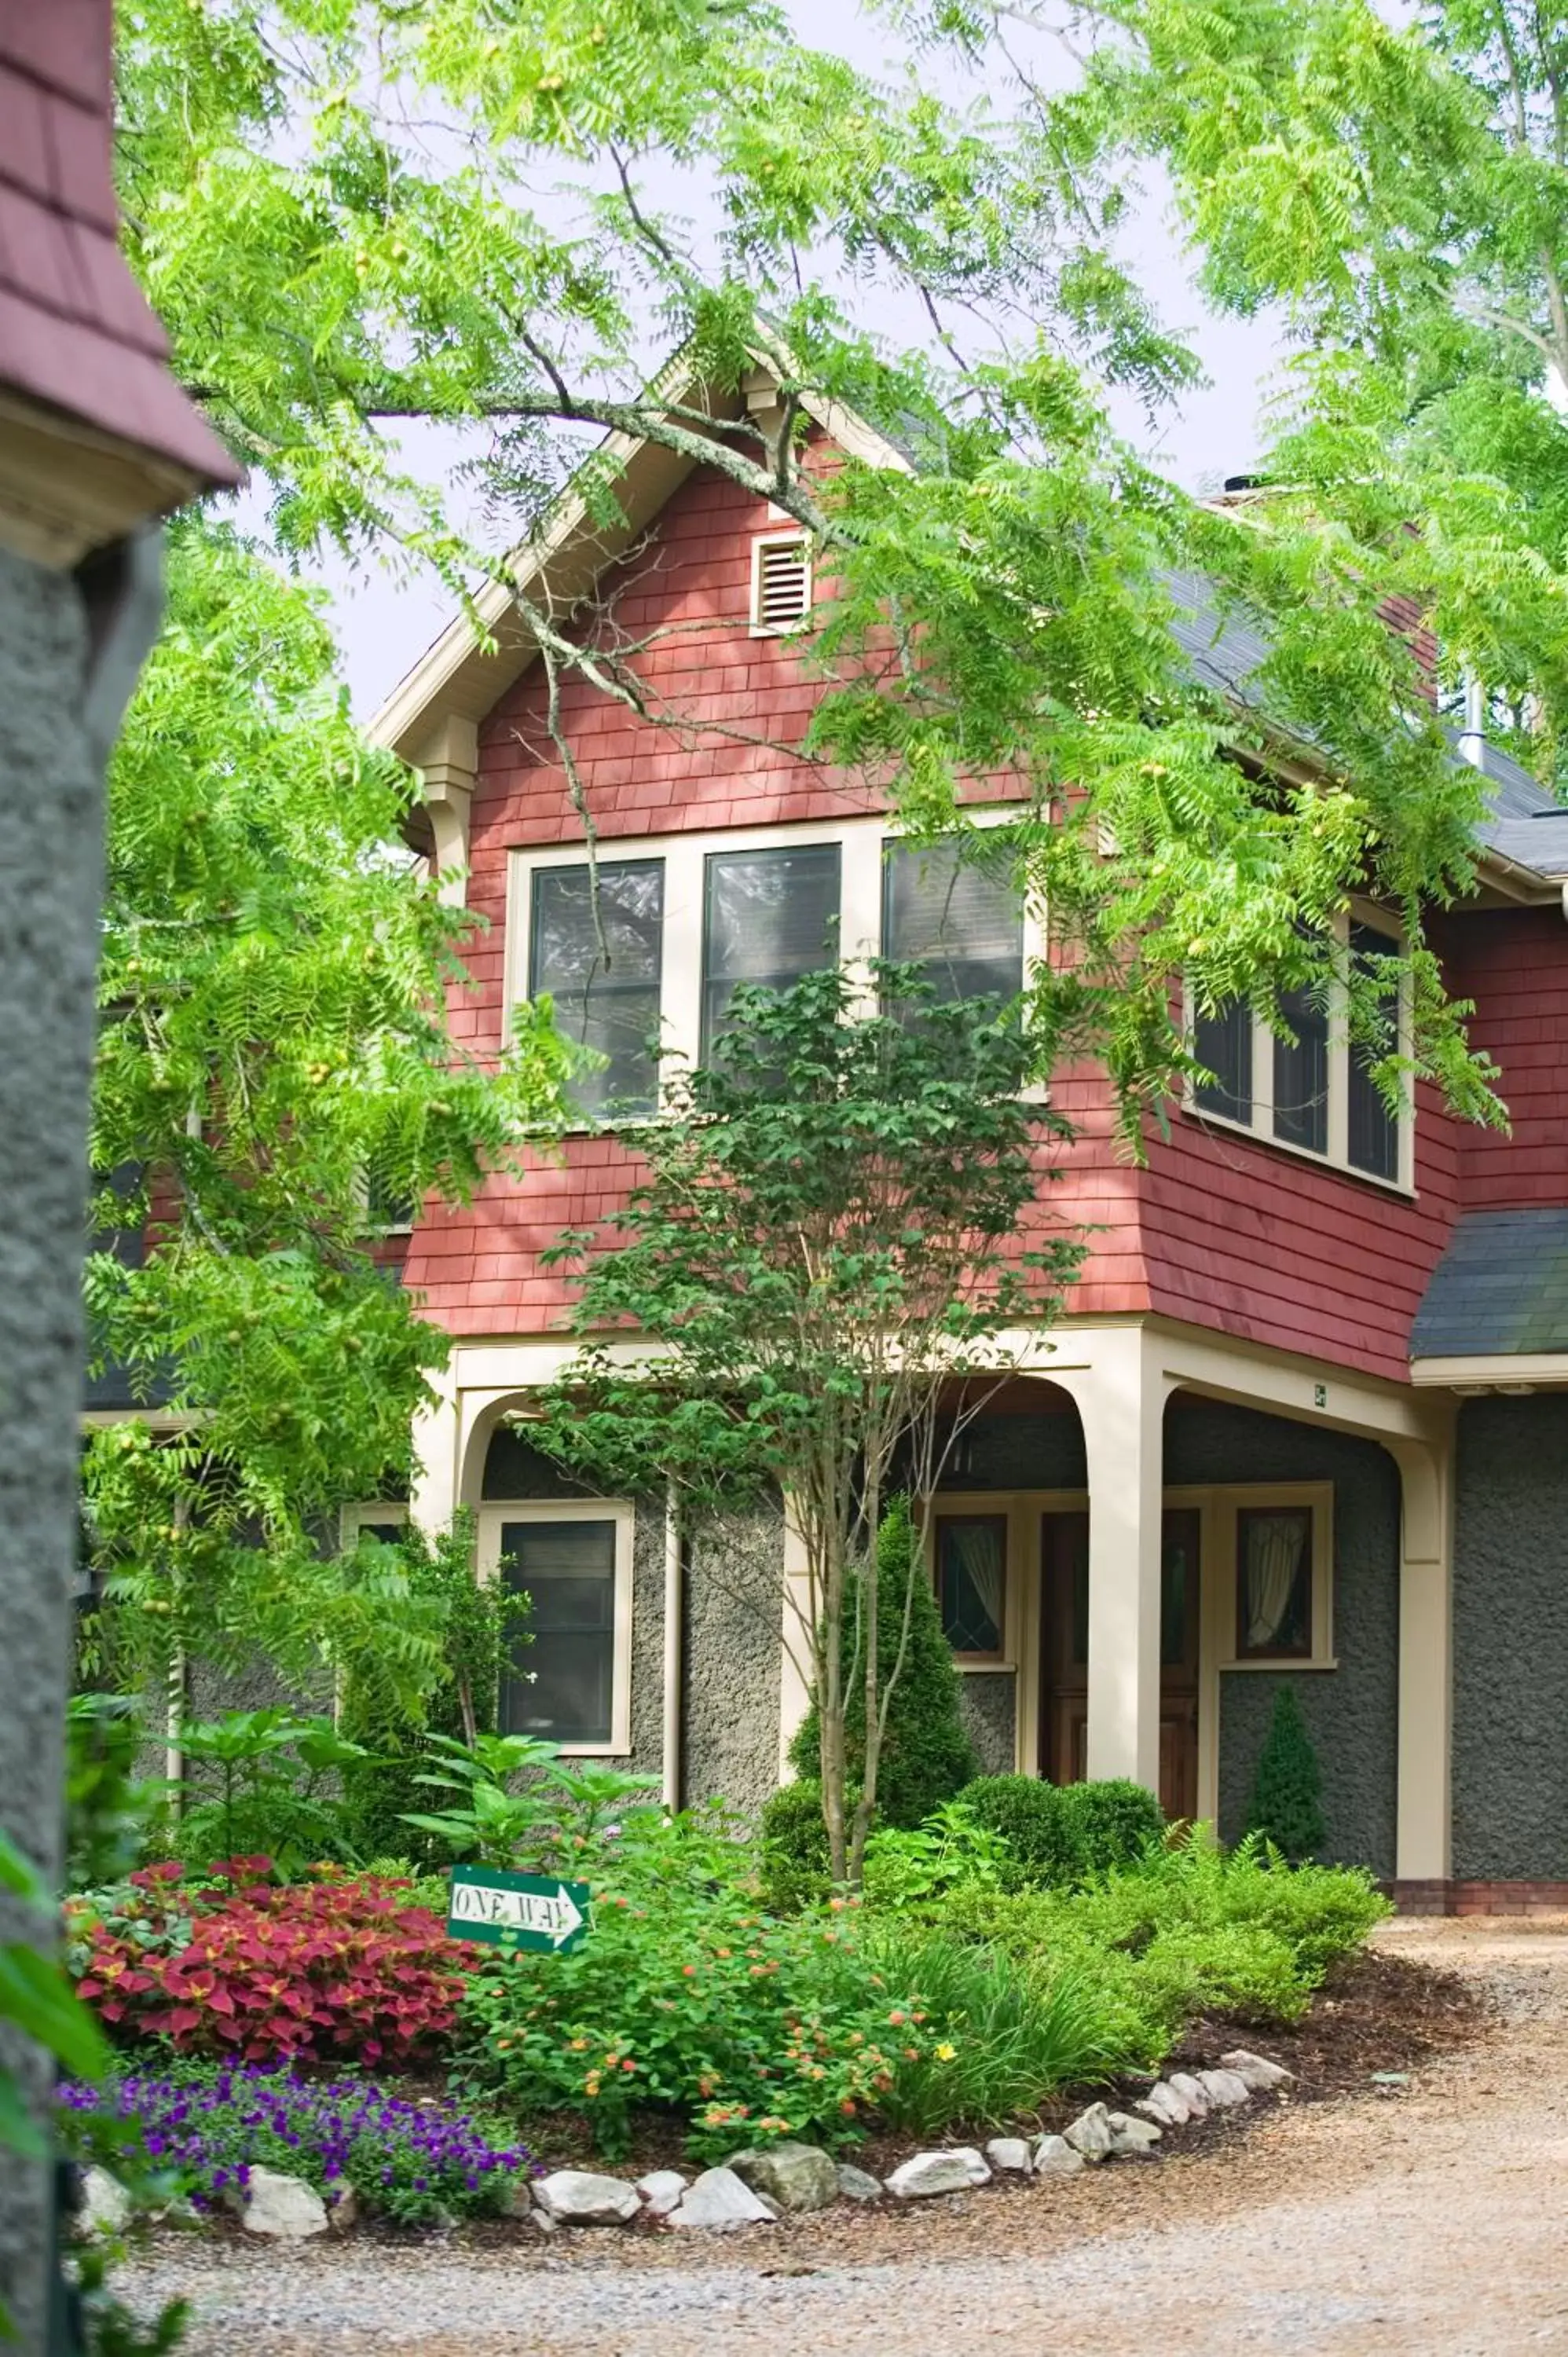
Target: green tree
<point>927,1754</point>
<point>272,976</point>
<point>840,1247</point>
<point>1286,1805</point>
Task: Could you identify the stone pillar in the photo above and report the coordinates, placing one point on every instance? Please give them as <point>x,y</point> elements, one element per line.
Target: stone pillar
<point>1120,1395</point>
<point>1422,1847</point>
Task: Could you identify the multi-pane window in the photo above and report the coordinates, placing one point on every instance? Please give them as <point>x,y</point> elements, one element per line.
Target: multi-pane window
<point>597,947</point>
<point>961,920</point>
<point>1309,1086</point>
<point>561,1683</point>
<point>1273,1583</point>
<point>769,917</point>
<point>971,1582</point>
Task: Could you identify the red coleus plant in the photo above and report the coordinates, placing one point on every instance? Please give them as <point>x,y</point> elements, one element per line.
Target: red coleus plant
<point>339,1967</point>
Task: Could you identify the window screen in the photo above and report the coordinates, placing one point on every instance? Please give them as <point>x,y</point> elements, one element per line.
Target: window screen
<point>971,1581</point>
<point>603,975</point>
<point>1373,1143</point>
<point>561,1685</point>
<point>962,922</point>
<point>1301,1074</point>
<point>1224,1042</point>
<point>771,917</point>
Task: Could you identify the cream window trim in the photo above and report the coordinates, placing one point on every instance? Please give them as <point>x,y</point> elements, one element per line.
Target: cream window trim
<point>623,1514</point>
<point>1260,1128</point>
<point>1227,1504</point>
<point>685,855</point>
<point>352,1520</point>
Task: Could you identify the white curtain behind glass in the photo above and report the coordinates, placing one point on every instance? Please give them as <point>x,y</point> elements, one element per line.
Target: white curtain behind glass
<point>1275,1544</point>
<point>978,1548</point>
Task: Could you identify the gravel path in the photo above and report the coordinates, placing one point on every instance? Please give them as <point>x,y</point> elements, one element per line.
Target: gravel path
<point>1428,2218</point>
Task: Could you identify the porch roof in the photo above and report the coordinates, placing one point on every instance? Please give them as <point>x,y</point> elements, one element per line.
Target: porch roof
<point>1500,1289</point>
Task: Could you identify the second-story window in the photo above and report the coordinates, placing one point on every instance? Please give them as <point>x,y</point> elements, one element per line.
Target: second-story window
<point>599,957</point>
<point>769,917</point>
<point>963,923</point>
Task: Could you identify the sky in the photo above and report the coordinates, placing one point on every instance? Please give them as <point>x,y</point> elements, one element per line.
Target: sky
<point>385,623</point>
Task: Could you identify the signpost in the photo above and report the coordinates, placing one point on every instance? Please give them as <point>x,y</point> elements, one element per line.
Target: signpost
<point>537,1913</point>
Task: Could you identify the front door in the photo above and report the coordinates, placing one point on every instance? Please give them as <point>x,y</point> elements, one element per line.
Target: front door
<point>1064,1653</point>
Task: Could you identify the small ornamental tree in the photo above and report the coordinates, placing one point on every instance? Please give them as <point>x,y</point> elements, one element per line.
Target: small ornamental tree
<point>926,1755</point>
<point>1286,1805</point>
<point>838,1250</point>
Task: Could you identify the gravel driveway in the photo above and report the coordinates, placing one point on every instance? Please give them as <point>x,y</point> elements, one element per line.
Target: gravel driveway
<point>1425,2217</point>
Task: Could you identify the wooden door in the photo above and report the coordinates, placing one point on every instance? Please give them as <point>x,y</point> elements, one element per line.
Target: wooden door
<point>1064,1653</point>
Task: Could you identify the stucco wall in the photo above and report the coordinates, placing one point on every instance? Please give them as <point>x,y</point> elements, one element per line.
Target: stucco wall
<point>1510,1640</point>
<point>1351,1711</point>
<point>50,888</point>
<point>988,1703</point>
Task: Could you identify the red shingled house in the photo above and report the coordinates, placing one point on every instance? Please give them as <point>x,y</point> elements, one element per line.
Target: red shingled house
<point>1307,1418</point>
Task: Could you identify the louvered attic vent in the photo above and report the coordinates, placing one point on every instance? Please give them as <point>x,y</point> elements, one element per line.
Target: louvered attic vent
<point>781,584</point>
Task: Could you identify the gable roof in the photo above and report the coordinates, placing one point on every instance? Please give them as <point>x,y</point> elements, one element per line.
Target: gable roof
<point>1524,837</point>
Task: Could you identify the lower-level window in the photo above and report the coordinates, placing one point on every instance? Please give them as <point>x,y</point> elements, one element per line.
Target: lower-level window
<point>570,1676</point>
<point>1274,1574</point>
<point>971,1583</point>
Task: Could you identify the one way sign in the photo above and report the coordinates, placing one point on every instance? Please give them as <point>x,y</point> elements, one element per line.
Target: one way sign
<point>534,1911</point>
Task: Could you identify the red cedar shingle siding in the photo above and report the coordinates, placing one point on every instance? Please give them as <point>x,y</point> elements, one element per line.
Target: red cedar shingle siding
<point>1217,1230</point>
<point>75,331</point>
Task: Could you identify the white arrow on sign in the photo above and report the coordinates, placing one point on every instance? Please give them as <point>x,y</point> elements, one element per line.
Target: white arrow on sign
<point>554,1915</point>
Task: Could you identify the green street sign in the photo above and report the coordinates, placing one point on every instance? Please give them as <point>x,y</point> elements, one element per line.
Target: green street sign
<point>534,1911</point>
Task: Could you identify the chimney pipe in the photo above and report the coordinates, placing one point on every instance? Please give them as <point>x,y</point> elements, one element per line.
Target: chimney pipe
<point>1473,737</point>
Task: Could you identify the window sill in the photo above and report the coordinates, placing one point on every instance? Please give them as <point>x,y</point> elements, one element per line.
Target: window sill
<point>1283,1662</point>
<point>977,1664</point>
<point>1204,1119</point>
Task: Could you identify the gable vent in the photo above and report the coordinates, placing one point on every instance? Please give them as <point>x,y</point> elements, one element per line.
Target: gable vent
<point>781,584</point>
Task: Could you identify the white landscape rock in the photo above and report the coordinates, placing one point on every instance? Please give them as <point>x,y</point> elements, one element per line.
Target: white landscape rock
<point>1257,2072</point>
<point>1192,2093</point>
<point>928,2173</point>
<point>719,2200</point>
<point>104,2207</point>
<point>1130,2136</point>
<point>858,2184</point>
<point>1054,2157</point>
<point>1163,2105</point>
<point>580,2197</point>
<point>791,2176</point>
<point>1009,2156</point>
<point>1225,2088</point>
<point>660,2190</point>
<point>1091,2134</point>
<point>283,2206</point>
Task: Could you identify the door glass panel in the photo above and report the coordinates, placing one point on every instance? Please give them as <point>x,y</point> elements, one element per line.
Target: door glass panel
<point>1176,1602</point>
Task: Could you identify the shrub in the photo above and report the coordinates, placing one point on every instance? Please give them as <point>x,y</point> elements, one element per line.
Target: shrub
<point>794,1848</point>
<point>1115,1820</point>
<point>336,1967</point>
<point>206,2129</point>
<point>1286,1806</point>
<point>1041,1829</point>
<point>910,1872</point>
<point>926,1755</point>
<point>999,2037</point>
<point>689,1997</point>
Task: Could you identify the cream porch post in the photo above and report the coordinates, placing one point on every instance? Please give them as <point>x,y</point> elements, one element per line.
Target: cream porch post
<point>1120,1395</point>
<point>1422,1848</point>
<point>432,1498</point>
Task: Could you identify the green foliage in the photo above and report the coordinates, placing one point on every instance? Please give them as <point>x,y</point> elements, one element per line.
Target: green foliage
<point>908,1871</point>
<point>1189,1929</point>
<point>1286,1803</point>
<point>840,1220</point>
<point>688,1995</point>
<point>1039,1830</point>
<point>926,1753</point>
<point>796,1869</point>
<point>108,1808</point>
<point>257,1781</point>
<point>1116,1821</point>
<point>272,972</point>
<point>556,1822</point>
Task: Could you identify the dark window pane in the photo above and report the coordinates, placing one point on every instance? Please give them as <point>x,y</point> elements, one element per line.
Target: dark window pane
<point>771,917</point>
<point>971,1571</point>
<point>387,1534</point>
<point>1224,1042</point>
<point>1374,1141</point>
<point>1301,1074</point>
<point>1273,1583</point>
<point>1177,1599</point>
<point>604,976</point>
<point>963,923</point>
<point>562,1684</point>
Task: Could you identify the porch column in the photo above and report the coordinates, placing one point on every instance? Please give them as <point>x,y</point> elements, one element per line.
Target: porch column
<point>1120,1395</point>
<point>1422,1848</point>
<point>432,1498</point>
